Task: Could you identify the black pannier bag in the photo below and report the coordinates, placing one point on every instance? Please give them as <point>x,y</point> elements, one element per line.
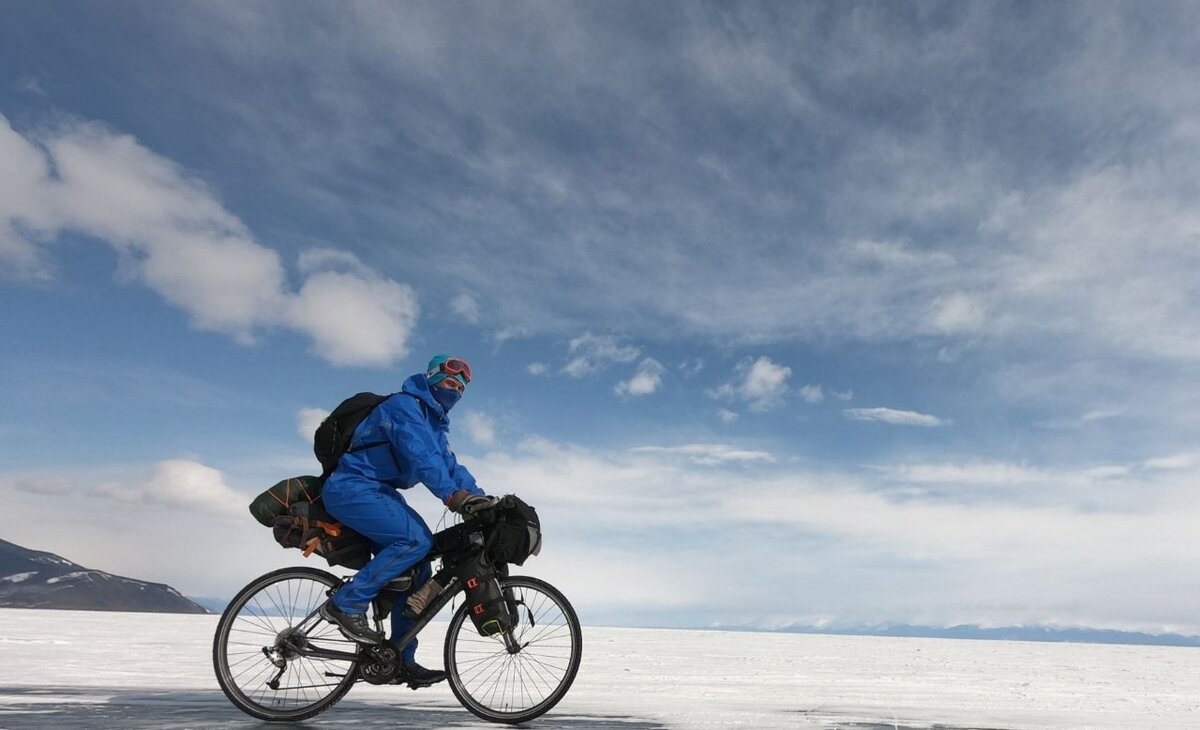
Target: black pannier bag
<point>293,510</point>
<point>517,533</point>
<point>485,603</point>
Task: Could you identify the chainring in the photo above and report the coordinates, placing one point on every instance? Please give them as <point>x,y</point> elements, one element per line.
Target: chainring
<point>378,663</point>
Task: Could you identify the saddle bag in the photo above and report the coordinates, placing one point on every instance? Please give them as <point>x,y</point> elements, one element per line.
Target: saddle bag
<point>297,518</point>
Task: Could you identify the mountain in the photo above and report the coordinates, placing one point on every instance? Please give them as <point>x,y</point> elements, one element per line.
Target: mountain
<point>1006,633</point>
<point>34,579</point>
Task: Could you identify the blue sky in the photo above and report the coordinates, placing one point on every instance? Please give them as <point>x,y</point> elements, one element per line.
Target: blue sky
<point>829,313</point>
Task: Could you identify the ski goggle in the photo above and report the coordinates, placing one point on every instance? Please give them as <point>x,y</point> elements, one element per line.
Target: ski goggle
<point>452,369</point>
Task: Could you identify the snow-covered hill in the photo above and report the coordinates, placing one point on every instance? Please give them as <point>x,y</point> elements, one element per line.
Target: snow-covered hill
<point>34,579</point>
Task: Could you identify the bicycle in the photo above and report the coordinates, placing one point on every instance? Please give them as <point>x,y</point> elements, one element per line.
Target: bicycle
<point>277,659</point>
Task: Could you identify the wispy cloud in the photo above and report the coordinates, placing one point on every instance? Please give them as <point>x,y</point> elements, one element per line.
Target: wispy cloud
<point>894,417</point>
<point>590,353</point>
<point>173,234</point>
<point>602,216</point>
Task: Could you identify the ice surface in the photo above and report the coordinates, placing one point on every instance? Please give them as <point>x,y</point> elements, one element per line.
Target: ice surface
<point>64,669</point>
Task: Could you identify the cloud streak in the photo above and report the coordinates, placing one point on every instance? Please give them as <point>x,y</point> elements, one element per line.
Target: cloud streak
<point>894,417</point>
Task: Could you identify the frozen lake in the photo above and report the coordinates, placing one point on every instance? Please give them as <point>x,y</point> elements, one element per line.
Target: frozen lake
<point>64,669</point>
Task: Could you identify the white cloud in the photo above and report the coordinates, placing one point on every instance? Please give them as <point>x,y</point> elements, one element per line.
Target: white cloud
<point>180,483</point>
<point>1174,462</point>
<point>945,555</point>
<point>590,353</point>
<point>48,484</point>
<point>760,383</point>
<point>465,306</point>
<point>894,417</point>
<point>970,474</point>
<point>812,394</point>
<point>726,415</point>
<point>707,454</point>
<point>957,313</point>
<point>172,234</point>
<point>480,428</point>
<point>645,381</point>
<point>537,368</point>
<point>355,320</point>
<point>703,508</point>
<point>316,260</point>
<point>895,255</point>
<point>307,420</point>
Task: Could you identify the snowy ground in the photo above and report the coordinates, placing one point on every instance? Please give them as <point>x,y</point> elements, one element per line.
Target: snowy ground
<point>66,669</point>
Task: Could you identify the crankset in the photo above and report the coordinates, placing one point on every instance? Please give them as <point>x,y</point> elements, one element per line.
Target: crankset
<point>378,663</point>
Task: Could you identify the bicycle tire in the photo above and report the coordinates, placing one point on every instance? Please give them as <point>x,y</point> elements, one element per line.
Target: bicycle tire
<point>258,615</point>
<point>507,688</point>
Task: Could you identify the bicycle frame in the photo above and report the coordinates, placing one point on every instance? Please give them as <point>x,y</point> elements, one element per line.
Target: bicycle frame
<point>452,587</point>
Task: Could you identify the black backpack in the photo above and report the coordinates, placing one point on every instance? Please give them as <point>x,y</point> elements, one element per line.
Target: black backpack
<point>332,438</point>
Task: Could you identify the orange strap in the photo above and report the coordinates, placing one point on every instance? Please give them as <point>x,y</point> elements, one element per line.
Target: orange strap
<point>311,546</point>
<point>332,528</point>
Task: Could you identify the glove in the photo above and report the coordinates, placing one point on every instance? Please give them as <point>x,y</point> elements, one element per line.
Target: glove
<point>466,503</point>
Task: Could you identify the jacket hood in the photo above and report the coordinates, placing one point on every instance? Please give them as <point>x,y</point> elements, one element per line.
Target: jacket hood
<point>418,387</point>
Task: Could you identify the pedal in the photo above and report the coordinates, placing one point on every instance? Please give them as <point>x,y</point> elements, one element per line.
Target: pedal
<point>421,685</point>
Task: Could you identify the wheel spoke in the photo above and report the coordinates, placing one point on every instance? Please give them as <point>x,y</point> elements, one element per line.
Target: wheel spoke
<point>272,614</point>
<point>504,687</point>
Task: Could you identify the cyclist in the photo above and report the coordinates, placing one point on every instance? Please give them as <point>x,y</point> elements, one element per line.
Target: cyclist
<point>402,442</point>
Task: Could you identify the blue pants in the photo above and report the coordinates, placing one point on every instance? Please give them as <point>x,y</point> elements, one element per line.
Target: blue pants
<point>402,540</point>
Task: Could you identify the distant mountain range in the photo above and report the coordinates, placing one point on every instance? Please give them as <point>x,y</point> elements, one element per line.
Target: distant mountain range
<point>1004,633</point>
<point>34,579</point>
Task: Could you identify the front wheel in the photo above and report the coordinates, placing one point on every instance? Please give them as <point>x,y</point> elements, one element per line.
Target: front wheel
<point>261,651</point>
<point>501,686</point>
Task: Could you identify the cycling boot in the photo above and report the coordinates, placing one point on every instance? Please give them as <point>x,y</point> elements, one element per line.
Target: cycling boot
<point>354,626</point>
<point>416,676</point>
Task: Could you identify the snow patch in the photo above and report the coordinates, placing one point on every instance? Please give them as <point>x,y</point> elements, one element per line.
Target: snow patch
<point>19,577</point>
<point>69,576</point>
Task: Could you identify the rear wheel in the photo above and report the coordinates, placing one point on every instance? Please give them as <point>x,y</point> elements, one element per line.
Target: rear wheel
<point>500,686</point>
<point>255,648</point>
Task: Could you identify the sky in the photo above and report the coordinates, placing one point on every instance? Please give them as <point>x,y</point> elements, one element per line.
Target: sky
<point>819,314</point>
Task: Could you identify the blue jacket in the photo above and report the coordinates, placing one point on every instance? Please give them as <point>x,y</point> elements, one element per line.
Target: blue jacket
<point>409,432</point>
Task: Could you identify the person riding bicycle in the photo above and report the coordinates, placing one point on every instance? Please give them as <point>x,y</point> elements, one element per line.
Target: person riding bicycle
<point>401,443</point>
